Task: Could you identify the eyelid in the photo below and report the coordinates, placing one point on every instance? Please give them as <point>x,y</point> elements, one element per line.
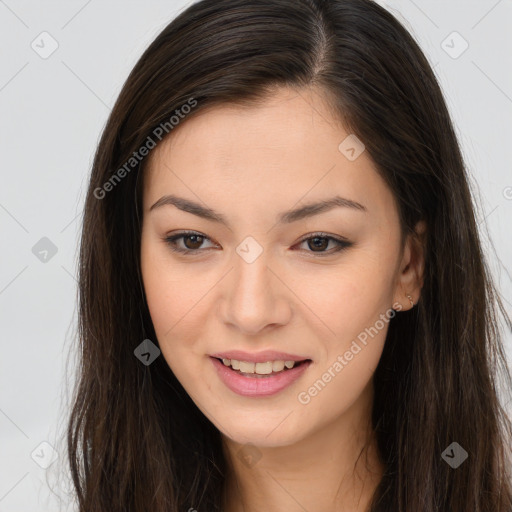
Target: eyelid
<point>343,243</point>
<point>323,234</point>
<point>182,234</point>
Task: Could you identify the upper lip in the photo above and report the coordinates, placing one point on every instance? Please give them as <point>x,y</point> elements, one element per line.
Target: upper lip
<point>258,357</point>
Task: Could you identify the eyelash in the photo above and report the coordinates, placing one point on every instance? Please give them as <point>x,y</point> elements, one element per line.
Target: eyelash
<point>171,242</point>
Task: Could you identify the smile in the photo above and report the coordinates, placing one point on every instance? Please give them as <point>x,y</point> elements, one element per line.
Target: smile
<point>260,369</point>
<point>258,379</point>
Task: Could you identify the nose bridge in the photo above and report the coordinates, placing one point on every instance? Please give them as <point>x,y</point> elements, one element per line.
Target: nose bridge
<point>251,279</point>
<point>254,298</point>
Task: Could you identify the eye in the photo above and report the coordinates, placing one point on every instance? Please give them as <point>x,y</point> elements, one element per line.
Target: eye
<point>191,240</point>
<point>317,242</point>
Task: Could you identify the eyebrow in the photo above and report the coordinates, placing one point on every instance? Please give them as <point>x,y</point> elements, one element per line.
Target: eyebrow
<point>308,210</point>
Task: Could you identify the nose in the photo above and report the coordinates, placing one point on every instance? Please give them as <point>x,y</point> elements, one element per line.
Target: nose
<point>255,297</point>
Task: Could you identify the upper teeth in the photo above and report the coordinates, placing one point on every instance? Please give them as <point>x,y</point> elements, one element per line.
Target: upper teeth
<point>260,368</point>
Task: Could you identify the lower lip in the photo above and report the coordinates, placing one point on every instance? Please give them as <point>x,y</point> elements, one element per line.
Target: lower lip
<point>258,386</point>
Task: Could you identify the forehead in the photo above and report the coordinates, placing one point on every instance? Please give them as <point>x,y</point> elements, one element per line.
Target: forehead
<point>277,152</point>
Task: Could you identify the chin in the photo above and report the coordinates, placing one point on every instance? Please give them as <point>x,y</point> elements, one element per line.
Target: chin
<point>265,433</point>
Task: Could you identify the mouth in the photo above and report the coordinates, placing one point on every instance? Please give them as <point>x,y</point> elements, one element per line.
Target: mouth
<point>260,379</point>
<point>260,370</point>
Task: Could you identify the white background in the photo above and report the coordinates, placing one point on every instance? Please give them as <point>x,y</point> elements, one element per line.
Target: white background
<point>52,112</point>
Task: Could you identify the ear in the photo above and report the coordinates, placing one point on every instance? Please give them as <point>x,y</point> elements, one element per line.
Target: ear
<point>411,268</point>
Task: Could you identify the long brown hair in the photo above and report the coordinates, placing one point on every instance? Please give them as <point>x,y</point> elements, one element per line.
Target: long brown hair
<point>136,441</point>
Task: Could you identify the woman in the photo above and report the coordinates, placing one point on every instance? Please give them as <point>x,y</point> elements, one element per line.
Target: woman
<point>284,303</point>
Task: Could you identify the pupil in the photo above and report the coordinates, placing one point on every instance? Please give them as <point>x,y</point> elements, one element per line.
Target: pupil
<point>198,241</point>
<point>318,245</point>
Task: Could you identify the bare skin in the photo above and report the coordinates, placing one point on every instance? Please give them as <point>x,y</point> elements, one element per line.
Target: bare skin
<point>314,450</point>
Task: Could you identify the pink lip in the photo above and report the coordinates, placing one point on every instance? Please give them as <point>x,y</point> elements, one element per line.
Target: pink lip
<point>259,357</point>
<point>258,386</point>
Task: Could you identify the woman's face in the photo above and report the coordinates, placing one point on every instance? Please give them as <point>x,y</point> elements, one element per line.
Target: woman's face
<point>257,279</point>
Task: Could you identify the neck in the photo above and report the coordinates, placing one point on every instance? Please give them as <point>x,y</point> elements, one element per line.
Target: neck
<point>335,468</point>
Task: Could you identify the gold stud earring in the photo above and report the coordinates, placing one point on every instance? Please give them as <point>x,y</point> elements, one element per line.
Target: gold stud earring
<point>410,300</point>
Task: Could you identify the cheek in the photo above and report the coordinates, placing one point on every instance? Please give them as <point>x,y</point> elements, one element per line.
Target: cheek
<point>166,298</point>
<point>351,358</point>
<point>169,292</point>
<point>160,292</point>
<point>351,310</point>
<point>164,291</point>
<point>343,300</point>
<point>336,388</point>
<point>177,308</point>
